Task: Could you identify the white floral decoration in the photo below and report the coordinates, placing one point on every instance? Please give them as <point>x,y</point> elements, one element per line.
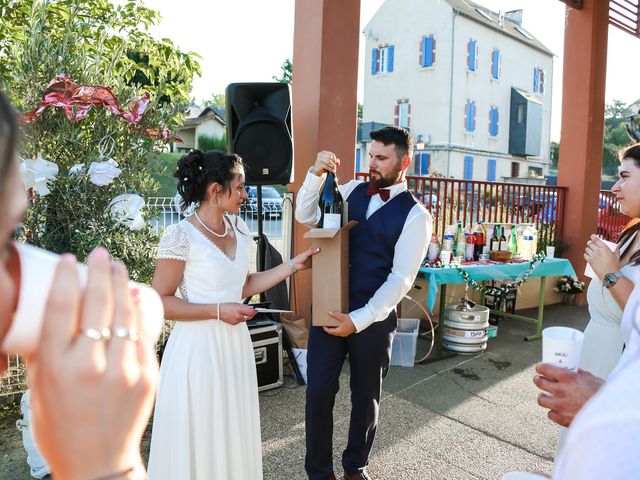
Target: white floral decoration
<point>103,173</point>
<point>126,209</point>
<point>37,173</point>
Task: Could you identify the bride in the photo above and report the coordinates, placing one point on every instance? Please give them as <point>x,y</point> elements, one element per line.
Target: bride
<point>206,423</point>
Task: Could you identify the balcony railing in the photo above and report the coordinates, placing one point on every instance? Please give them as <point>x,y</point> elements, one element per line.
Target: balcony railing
<point>450,200</point>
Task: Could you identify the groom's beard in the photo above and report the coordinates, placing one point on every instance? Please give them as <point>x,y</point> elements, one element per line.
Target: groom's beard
<point>379,181</point>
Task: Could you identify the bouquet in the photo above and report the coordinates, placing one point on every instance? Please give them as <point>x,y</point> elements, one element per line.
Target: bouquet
<point>568,284</point>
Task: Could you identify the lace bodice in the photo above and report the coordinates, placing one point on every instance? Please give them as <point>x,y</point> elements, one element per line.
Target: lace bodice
<point>209,275</point>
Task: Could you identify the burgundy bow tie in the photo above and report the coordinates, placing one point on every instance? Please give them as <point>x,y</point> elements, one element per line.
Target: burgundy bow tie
<point>383,192</point>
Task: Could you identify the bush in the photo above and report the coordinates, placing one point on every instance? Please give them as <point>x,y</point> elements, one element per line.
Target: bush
<point>209,142</point>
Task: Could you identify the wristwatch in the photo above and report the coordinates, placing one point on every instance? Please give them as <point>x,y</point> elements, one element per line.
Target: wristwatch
<point>610,279</point>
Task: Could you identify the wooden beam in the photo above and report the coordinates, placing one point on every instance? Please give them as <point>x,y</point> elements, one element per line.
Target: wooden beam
<point>577,4</point>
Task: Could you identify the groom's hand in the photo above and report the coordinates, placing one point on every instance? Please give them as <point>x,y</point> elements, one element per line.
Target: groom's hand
<point>345,328</point>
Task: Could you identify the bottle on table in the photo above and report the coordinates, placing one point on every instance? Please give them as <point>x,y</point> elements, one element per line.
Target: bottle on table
<point>503,240</point>
<point>513,240</point>
<point>434,248</point>
<point>495,239</point>
<point>461,241</point>
<point>331,204</point>
<point>480,240</point>
<point>449,238</point>
<point>528,244</point>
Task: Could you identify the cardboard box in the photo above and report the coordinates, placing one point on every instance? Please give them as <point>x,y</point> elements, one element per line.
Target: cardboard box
<point>329,273</point>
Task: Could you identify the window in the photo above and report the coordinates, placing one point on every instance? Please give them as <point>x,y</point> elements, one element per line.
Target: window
<point>382,60</point>
<point>468,168</point>
<point>520,113</point>
<point>421,165</point>
<point>472,55</point>
<point>427,51</point>
<point>538,81</point>
<point>402,114</point>
<point>515,169</point>
<point>491,170</point>
<point>358,159</point>
<point>493,121</point>
<point>496,64</point>
<point>470,117</point>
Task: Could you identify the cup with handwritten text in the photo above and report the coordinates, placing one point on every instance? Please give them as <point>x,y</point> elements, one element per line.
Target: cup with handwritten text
<point>562,347</point>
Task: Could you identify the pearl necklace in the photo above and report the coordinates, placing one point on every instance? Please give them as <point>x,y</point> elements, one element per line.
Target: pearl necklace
<point>226,230</point>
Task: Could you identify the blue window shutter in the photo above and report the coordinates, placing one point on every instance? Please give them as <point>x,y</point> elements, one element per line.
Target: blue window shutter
<point>536,84</point>
<point>423,52</point>
<point>426,160</point>
<point>495,64</point>
<point>491,170</point>
<point>471,55</point>
<point>473,117</point>
<point>390,59</point>
<point>468,167</point>
<point>466,116</point>
<point>427,52</point>
<point>358,159</point>
<point>374,61</point>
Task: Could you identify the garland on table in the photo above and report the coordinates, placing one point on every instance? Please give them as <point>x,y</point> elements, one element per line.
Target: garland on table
<point>502,290</point>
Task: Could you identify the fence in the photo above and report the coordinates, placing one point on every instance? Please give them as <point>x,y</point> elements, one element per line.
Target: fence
<point>450,200</point>
<point>611,220</point>
<point>277,224</point>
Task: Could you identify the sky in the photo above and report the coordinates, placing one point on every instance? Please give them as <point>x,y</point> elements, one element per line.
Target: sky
<point>247,41</point>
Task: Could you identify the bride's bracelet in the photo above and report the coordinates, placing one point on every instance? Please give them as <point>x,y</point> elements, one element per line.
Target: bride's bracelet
<point>218,311</point>
<point>292,266</point>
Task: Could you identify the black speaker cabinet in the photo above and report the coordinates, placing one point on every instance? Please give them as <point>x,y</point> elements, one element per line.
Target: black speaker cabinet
<point>259,130</point>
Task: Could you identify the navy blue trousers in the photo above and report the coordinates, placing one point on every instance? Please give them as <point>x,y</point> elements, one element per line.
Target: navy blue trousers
<point>369,355</point>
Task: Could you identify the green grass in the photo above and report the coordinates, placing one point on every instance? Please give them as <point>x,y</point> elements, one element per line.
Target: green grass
<point>161,167</point>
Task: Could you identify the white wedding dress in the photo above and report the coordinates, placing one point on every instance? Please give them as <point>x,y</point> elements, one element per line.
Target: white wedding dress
<point>206,423</point>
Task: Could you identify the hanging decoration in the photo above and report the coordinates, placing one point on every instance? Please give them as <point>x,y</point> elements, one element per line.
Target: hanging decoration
<point>502,290</point>
<point>76,101</point>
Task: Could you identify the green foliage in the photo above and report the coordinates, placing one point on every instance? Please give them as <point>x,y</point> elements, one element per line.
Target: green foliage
<point>217,100</point>
<point>93,42</point>
<point>287,72</point>
<point>615,135</point>
<point>554,153</point>
<point>209,142</point>
<point>161,167</point>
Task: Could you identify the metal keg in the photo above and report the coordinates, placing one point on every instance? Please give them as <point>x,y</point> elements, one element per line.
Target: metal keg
<point>465,327</point>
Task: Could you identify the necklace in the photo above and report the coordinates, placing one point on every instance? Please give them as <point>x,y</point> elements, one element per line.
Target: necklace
<point>226,231</point>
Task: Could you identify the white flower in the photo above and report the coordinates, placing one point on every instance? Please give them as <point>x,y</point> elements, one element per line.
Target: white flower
<point>37,173</point>
<point>103,173</point>
<point>127,210</point>
<point>77,169</point>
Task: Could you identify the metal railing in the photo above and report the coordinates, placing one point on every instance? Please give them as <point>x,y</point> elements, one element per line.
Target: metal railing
<point>450,200</point>
<point>276,226</point>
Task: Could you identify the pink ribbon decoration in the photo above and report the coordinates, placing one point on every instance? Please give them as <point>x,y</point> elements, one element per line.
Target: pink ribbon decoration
<point>76,101</point>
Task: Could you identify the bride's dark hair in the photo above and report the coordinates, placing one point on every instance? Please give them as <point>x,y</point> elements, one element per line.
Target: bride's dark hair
<point>197,170</point>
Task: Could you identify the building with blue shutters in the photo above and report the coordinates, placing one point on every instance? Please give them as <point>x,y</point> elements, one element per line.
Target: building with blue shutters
<point>473,84</point>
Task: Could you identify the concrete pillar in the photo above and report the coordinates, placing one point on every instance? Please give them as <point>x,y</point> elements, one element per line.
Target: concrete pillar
<point>325,75</point>
<point>583,101</point>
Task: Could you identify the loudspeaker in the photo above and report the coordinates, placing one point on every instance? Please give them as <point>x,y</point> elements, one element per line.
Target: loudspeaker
<point>259,130</point>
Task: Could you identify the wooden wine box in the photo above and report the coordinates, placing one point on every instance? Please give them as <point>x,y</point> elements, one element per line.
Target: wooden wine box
<point>329,273</point>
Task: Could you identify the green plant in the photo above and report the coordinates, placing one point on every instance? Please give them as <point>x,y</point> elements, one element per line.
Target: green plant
<point>209,142</point>
<point>92,42</point>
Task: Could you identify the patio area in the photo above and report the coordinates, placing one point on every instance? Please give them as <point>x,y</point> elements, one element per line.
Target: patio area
<point>468,417</point>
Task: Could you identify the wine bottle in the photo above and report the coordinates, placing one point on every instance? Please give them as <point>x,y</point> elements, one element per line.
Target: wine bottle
<point>495,239</point>
<point>503,241</point>
<point>513,240</point>
<point>331,204</point>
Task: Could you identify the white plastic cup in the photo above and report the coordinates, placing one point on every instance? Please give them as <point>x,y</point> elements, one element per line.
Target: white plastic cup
<point>457,260</point>
<point>445,256</point>
<point>562,347</point>
<point>551,251</point>
<point>524,476</point>
<point>37,268</point>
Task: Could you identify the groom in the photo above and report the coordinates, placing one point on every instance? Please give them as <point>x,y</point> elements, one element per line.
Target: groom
<point>386,249</point>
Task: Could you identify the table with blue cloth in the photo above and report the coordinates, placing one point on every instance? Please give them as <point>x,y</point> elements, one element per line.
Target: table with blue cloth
<point>550,267</point>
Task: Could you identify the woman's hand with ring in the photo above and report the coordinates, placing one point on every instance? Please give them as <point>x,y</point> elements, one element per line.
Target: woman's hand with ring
<point>234,313</point>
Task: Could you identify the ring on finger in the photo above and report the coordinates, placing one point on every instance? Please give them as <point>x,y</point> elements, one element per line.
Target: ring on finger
<point>126,333</point>
<point>244,318</point>
<point>97,335</point>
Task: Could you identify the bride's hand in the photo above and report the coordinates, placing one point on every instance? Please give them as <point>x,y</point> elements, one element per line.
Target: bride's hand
<point>302,261</point>
<point>234,313</point>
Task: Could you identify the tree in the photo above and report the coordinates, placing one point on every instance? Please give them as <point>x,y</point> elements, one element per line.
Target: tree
<point>216,100</point>
<point>554,153</point>
<point>287,72</point>
<point>92,42</point>
<point>615,135</point>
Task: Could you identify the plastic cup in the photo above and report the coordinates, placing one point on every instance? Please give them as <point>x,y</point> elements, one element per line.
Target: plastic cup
<point>445,256</point>
<point>457,260</point>
<point>551,251</point>
<point>562,347</point>
<point>37,268</point>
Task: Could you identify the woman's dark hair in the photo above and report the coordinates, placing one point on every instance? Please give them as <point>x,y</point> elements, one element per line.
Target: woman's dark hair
<point>197,170</point>
<point>632,152</point>
<point>8,138</point>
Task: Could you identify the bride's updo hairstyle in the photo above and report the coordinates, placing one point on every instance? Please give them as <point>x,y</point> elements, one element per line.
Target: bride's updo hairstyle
<point>197,170</point>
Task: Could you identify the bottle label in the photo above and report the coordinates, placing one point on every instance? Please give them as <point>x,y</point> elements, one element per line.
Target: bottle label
<point>495,246</point>
<point>332,220</point>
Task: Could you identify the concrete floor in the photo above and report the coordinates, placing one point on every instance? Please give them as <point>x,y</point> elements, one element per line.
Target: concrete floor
<point>468,417</point>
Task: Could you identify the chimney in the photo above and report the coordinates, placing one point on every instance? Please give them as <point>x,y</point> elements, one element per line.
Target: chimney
<point>514,16</point>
